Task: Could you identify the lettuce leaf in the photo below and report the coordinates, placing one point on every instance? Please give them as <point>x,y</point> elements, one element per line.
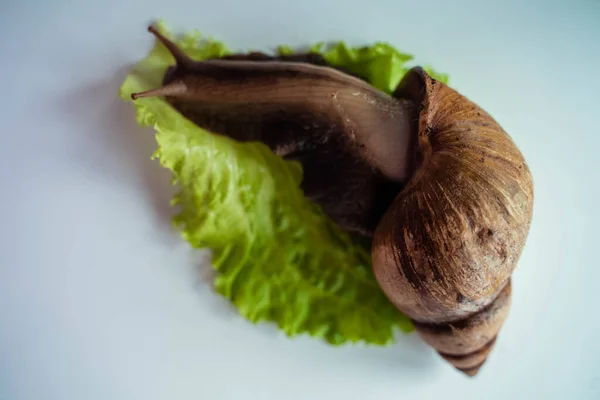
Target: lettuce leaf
<point>381,64</point>
<point>278,257</point>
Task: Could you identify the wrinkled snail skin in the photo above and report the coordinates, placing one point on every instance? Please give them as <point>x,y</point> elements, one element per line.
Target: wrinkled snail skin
<point>442,190</point>
<point>352,140</point>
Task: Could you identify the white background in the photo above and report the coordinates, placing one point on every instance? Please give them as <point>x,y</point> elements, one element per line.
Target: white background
<point>101,299</point>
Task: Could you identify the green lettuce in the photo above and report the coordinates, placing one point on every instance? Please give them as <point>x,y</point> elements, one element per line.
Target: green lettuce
<point>278,257</point>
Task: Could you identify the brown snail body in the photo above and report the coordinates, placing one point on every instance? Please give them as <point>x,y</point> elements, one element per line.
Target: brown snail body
<point>444,192</point>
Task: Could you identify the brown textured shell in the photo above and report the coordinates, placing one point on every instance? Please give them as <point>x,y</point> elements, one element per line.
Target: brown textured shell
<point>447,246</point>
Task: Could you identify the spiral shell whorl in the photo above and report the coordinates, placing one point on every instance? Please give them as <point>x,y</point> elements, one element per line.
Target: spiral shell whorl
<point>467,343</point>
<point>447,246</point>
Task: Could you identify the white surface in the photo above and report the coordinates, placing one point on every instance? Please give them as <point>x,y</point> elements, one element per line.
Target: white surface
<point>100,299</point>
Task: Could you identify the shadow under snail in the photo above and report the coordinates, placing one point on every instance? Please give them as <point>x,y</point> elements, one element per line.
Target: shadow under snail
<point>439,186</point>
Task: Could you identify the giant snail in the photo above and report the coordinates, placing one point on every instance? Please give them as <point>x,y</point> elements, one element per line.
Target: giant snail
<point>441,188</point>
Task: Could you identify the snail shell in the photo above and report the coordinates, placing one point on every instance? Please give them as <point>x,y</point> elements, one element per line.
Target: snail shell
<point>445,249</point>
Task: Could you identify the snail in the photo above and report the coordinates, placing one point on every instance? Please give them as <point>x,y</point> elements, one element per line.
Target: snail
<point>439,187</point>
